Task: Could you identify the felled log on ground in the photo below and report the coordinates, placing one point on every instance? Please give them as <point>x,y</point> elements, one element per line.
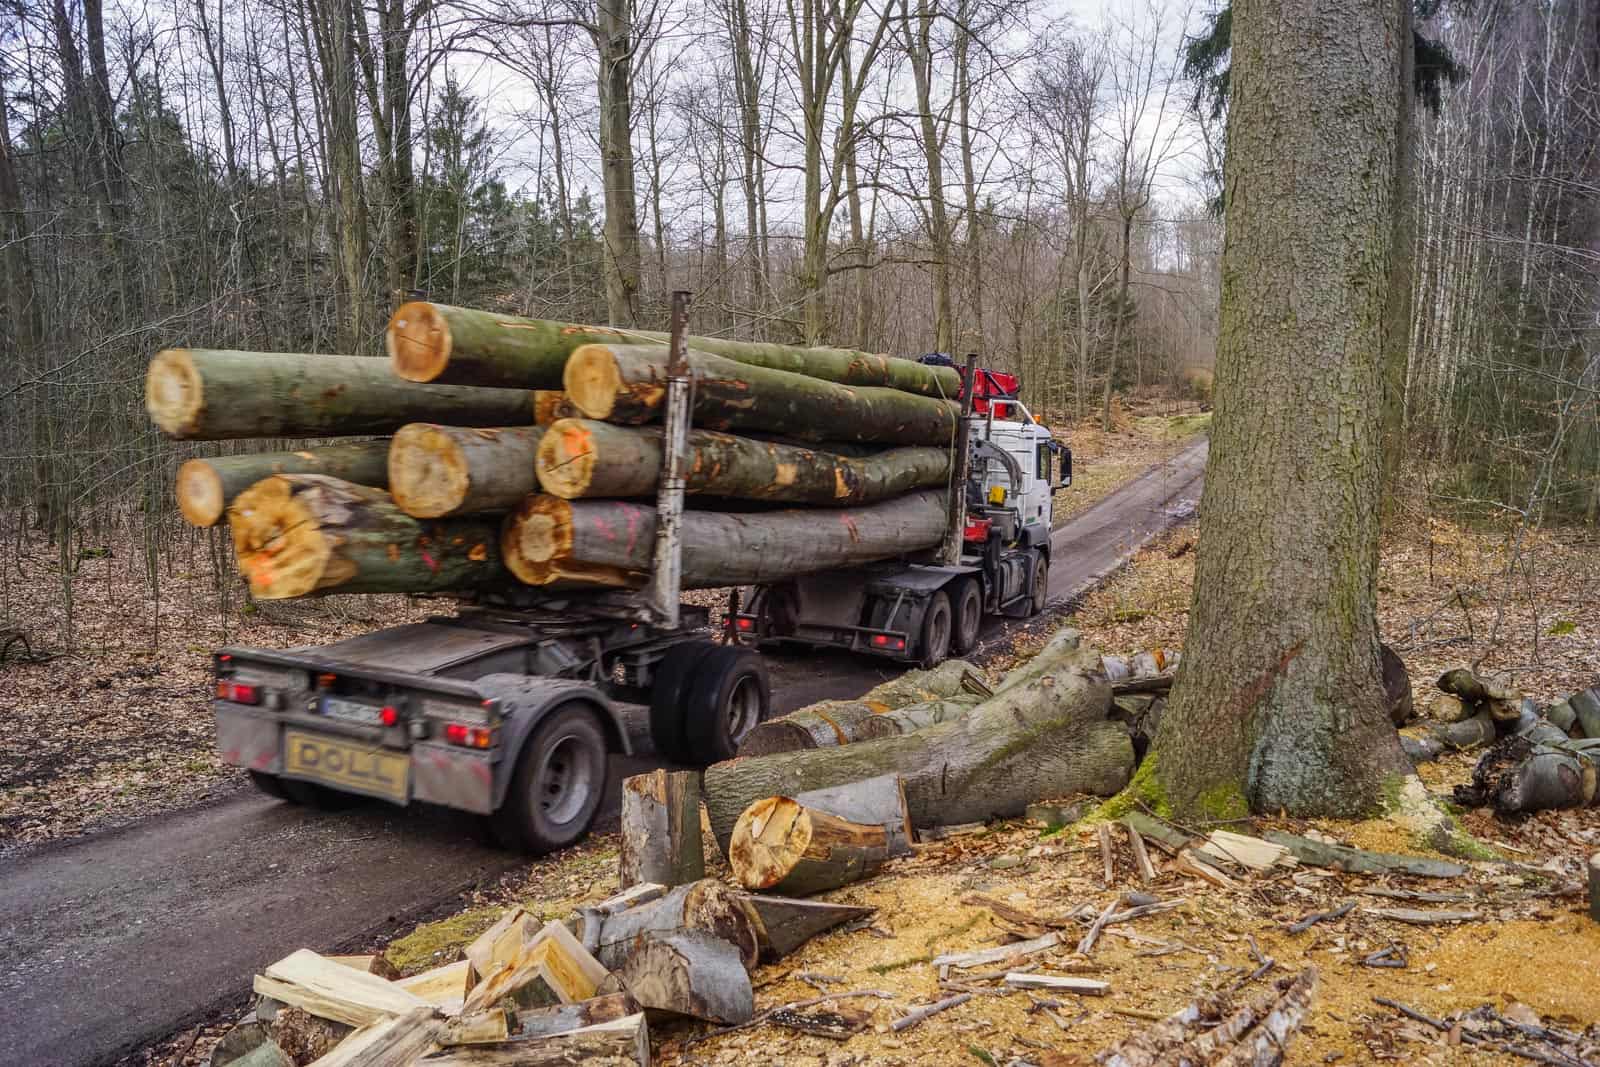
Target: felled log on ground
<point>209,395</point>
<point>608,542</point>
<point>627,384</point>
<point>879,801</point>
<point>437,342</point>
<point>689,973</point>
<point>779,844</point>
<point>205,487</point>
<point>1044,737</point>
<point>784,924</point>
<point>436,471</point>
<point>302,534</point>
<point>1501,702</point>
<point>1586,709</point>
<point>621,1042</point>
<point>585,458</point>
<point>661,837</point>
<point>706,906</point>
<point>1530,773</point>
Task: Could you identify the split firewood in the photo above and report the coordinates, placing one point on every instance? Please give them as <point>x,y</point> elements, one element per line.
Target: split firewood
<point>689,973</point>
<point>436,471</point>
<point>205,487</point>
<point>299,1035</point>
<point>444,987</point>
<point>621,1042</point>
<point>499,946</point>
<point>1059,983</point>
<point>1249,852</point>
<point>706,906</point>
<point>1210,1031</point>
<point>329,990</point>
<point>779,844</point>
<point>661,834</point>
<point>1530,773</point>
<point>1108,863</point>
<point>560,1018</point>
<point>982,957</point>
<point>784,924</point>
<point>393,1042</point>
<point>485,1025</point>
<point>1188,863</point>
<point>1141,856</point>
<point>552,968</point>
<point>1361,861</point>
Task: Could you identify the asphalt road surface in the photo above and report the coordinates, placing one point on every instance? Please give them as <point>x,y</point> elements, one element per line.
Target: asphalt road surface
<point>115,940</point>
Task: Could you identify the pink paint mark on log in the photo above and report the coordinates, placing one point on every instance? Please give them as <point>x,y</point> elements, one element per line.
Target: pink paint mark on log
<point>432,566</point>
<point>633,527</point>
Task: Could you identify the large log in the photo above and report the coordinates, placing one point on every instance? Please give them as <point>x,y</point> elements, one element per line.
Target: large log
<point>302,534</point>
<point>439,343</point>
<point>781,845</point>
<point>661,838</point>
<point>706,906</point>
<point>608,542</point>
<point>436,471</point>
<point>1530,773</point>
<point>627,384</point>
<point>839,722</point>
<point>880,801</point>
<point>689,973</point>
<point>205,487</point>
<point>785,924</point>
<point>210,395</point>
<point>583,458</point>
<point>1044,738</point>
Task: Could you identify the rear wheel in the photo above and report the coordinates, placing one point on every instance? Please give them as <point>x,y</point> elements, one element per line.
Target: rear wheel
<point>968,617</point>
<point>669,693</point>
<point>1039,591</point>
<point>270,784</point>
<point>936,630</point>
<point>731,695</point>
<point>557,785</point>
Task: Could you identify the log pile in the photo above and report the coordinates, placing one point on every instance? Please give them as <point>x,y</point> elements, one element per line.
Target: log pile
<point>518,450</point>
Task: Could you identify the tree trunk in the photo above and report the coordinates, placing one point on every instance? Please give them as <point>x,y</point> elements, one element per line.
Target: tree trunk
<point>705,906</point>
<point>610,1044</point>
<point>1397,309</point>
<point>781,845</point>
<point>1279,702</point>
<point>787,924</point>
<point>449,470</point>
<point>459,346</point>
<point>616,43</point>
<point>661,840</point>
<point>205,487</point>
<point>627,384</point>
<point>301,534</point>
<point>1044,738</point>
<point>209,395</point>
<point>581,458</point>
<point>608,542</point>
<point>690,973</point>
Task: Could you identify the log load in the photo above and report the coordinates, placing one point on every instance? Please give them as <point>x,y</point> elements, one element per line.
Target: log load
<point>628,384</point>
<point>1047,736</point>
<point>439,343</point>
<point>609,542</point>
<point>583,458</point>
<point>781,845</point>
<point>305,534</point>
<point>210,395</point>
<point>706,906</point>
<point>434,471</point>
<point>206,486</point>
<point>549,405</point>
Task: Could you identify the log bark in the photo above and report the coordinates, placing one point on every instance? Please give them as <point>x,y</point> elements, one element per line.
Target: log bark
<point>1044,738</point>
<point>1467,733</point>
<point>583,458</point>
<point>1586,707</point>
<point>779,844</point>
<point>560,1018</point>
<point>661,839</point>
<point>304,534</point>
<point>622,1042</point>
<point>839,722</point>
<point>608,542</point>
<point>1360,860</point>
<point>437,342</point>
<point>879,801</point>
<point>783,924</point>
<point>1520,774</point>
<point>205,487</point>
<point>549,405</point>
<point>627,384</point>
<point>689,973</point>
<point>435,471</point>
<point>210,395</point>
<point>706,906</point>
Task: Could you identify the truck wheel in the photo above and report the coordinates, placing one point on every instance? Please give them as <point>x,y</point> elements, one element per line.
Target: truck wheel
<point>936,630</point>
<point>968,617</point>
<point>558,784</point>
<point>668,695</point>
<point>731,695</point>
<point>270,784</point>
<point>1039,593</point>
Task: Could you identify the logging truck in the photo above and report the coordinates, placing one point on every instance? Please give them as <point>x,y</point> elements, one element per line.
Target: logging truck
<point>510,706</point>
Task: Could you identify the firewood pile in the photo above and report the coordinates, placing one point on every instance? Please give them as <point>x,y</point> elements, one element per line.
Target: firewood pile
<point>490,449</point>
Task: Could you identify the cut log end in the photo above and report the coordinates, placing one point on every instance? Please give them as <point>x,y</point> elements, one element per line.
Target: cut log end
<point>566,459</point>
<point>768,840</point>
<point>282,550</point>
<point>536,545</point>
<point>593,380</point>
<point>174,394</point>
<point>418,341</point>
<point>428,472</point>
<point>201,497</point>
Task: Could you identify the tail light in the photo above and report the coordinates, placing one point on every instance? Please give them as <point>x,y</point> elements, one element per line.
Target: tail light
<point>744,623</point>
<point>889,642</point>
<point>468,736</point>
<point>389,715</point>
<point>238,692</point>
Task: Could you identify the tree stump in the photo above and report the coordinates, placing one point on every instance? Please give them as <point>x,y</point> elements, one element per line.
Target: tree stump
<point>661,837</point>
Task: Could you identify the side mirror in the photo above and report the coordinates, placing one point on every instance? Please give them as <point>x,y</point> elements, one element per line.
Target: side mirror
<point>1066,466</point>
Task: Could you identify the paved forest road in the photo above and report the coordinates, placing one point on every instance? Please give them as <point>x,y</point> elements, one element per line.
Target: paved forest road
<point>115,940</point>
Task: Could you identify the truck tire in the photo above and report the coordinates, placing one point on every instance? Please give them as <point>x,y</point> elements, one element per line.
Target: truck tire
<point>936,625</point>
<point>731,696</point>
<point>669,693</point>
<point>1039,588</point>
<point>968,614</point>
<point>558,783</point>
<point>270,784</point>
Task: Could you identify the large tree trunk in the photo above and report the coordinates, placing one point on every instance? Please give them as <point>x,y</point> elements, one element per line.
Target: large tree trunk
<point>449,470</point>
<point>1278,702</point>
<point>205,487</point>
<point>608,542</point>
<point>209,395</point>
<point>583,458</point>
<point>439,343</point>
<point>627,383</point>
<point>616,41</point>
<point>300,534</point>
<point>1046,737</point>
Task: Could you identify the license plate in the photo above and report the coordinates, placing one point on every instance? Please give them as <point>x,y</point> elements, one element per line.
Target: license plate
<point>351,711</point>
<point>356,767</point>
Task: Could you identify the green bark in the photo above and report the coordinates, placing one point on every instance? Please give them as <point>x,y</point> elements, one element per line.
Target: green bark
<point>206,486</point>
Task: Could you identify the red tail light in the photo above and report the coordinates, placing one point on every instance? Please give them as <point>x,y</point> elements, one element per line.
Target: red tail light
<point>389,716</point>
<point>468,736</point>
<point>238,692</point>
<point>889,641</point>
<point>745,623</point>
<point>455,733</point>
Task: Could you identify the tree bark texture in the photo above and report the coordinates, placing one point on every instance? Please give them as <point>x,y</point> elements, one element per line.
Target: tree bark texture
<point>451,470</point>
<point>583,458</point>
<point>210,395</point>
<point>303,534</point>
<point>661,839</point>
<point>786,924</point>
<point>781,845</point>
<point>690,973</point>
<point>449,345</point>
<point>706,906</point>
<point>205,487</point>
<point>628,384</point>
<point>879,801</point>
<point>1278,702</point>
<point>1048,737</point>
<point>608,542</point>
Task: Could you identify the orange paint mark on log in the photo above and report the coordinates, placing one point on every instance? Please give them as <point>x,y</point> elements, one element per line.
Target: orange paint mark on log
<point>838,731</point>
<point>478,553</point>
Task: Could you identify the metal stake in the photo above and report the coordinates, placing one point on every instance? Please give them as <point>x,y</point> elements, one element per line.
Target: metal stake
<point>961,466</point>
<point>666,570</point>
